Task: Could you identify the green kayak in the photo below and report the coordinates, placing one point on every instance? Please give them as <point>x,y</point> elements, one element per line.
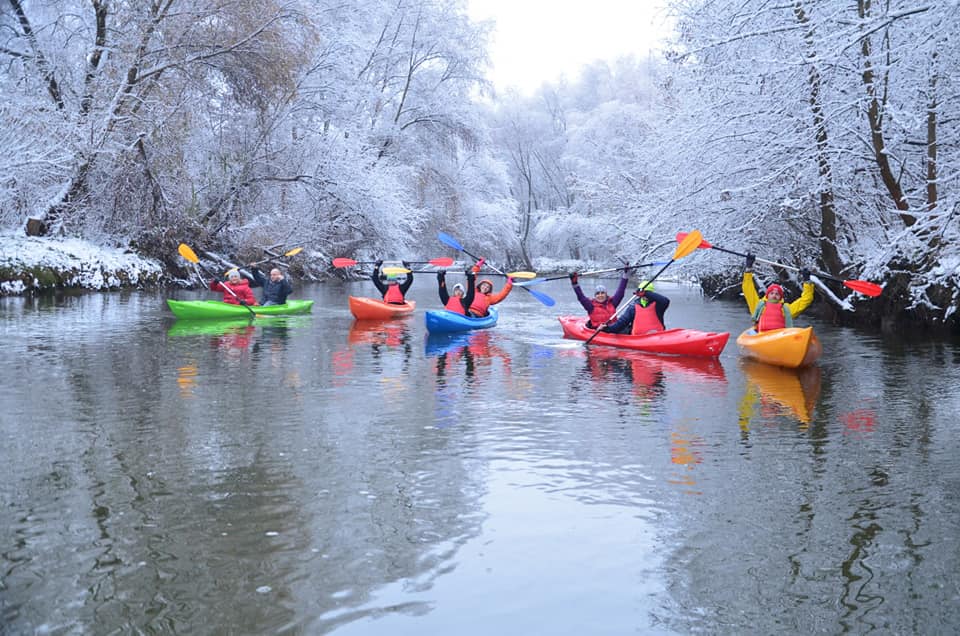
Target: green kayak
<point>207,309</point>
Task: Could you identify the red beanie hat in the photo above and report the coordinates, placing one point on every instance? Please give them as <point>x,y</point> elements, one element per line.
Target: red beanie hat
<point>774,286</point>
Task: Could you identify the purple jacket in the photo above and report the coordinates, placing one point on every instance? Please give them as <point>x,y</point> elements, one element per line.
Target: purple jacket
<point>615,299</point>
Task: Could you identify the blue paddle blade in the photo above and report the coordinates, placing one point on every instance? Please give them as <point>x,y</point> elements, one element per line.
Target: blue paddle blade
<point>449,240</point>
<point>546,300</point>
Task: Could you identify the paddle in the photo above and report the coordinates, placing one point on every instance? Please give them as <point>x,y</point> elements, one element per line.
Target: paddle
<point>514,275</point>
<point>863,286</point>
<point>687,246</point>
<point>186,252</point>
<point>444,261</point>
<point>452,242</point>
<point>537,281</point>
<point>286,254</point>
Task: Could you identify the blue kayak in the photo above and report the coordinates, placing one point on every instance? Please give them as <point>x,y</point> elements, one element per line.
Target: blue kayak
<point>444,321</point>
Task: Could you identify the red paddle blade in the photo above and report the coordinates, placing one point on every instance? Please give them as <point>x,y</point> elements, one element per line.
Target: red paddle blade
<point>344,262</point>
<point>444,261</point>
<point>704,245</point>
<point>864,287</point>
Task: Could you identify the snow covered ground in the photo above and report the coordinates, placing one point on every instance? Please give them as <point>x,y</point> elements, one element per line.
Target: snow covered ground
<point>32,264</point>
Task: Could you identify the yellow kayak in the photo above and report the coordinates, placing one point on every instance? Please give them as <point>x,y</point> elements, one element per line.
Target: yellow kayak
<point>792,347</point>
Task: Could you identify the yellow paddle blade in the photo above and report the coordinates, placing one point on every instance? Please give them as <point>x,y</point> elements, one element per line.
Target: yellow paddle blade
<point>293,252</point>
<point>688,245</point>
<point>523,275</point>
<point>188,253</point>
<point>393,271</point>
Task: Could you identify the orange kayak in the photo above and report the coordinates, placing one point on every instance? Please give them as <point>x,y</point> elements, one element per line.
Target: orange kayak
<point>792,347</point>
<point>374,309</point>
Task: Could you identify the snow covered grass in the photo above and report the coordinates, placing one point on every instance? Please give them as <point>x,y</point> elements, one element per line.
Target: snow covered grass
<point>33,264</point>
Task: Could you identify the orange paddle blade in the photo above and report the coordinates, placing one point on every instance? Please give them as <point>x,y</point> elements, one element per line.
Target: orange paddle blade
<point>704,245</point>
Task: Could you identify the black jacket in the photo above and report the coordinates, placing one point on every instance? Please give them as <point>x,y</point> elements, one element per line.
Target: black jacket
<point>275,293</point>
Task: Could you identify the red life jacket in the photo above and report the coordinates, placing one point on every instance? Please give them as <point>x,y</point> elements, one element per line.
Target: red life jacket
<point>771,316</point>
<point>455,305</point>
<point>645,319</point>
<point>393,295</point>
<point>241,289</point>
<point>481,304</point>
<point>601,312</point>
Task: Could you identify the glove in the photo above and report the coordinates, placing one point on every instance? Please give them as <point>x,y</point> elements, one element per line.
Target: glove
<point>378,263</point>
<point>441,276</point>
<point>509,280</point>
<point>641,293</point>
<point>805,275</point>
<point>574,277</point>
<point>750,260</point>
<point>406,264</point>
<point>470,273</point>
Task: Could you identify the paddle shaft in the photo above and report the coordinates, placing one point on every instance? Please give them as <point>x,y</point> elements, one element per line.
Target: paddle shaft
<point>849,283</point>
<point>627,304</point>
<point>598,271</point>
<point>292,252</point>
<point>687,245</point>
<point>191,256</point>
<point>452,242</point>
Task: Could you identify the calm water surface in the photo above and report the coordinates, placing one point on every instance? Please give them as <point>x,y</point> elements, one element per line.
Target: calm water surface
<point>310,475</point>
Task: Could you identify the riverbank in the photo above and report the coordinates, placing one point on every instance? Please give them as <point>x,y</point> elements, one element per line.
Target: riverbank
<point>30,264</point>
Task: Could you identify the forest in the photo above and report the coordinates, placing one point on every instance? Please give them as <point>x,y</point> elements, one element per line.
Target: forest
<point>813,133</point>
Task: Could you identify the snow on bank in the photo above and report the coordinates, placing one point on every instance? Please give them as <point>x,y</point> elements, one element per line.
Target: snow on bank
<point>29,263</point>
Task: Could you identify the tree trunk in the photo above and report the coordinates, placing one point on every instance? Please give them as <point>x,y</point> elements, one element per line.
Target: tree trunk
<point>828,212</point>
<point>875,119</point>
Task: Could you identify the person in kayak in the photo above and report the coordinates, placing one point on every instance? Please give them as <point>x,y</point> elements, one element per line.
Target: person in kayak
<point>239,286</point>
<point>602,306</point>
<point>394,292</point>
<point>644,315</point>
<point>275,289</point>
<point>771,312</point>
<point>484,296</point>
<point>462,298</point>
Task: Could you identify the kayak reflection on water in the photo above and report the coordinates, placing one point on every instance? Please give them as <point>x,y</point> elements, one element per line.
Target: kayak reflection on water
<point>777,391</point>
<point>475,350</point>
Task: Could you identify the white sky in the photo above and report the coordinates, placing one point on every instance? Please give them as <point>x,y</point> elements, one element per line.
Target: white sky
<point>536,41</point>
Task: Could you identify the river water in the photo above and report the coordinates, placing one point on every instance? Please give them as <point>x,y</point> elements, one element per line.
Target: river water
<point>314,475</point>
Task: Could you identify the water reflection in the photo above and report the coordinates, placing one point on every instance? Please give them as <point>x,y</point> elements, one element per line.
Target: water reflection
<point>773,391</point>
<point>463,365</point>
<point>387,341</point>
<point>475,352</point>
<point>325,478</point>
<point>647,373</point>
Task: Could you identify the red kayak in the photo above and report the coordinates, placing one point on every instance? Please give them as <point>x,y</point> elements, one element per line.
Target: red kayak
<point>374,309</point>
<point>679,342</point>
